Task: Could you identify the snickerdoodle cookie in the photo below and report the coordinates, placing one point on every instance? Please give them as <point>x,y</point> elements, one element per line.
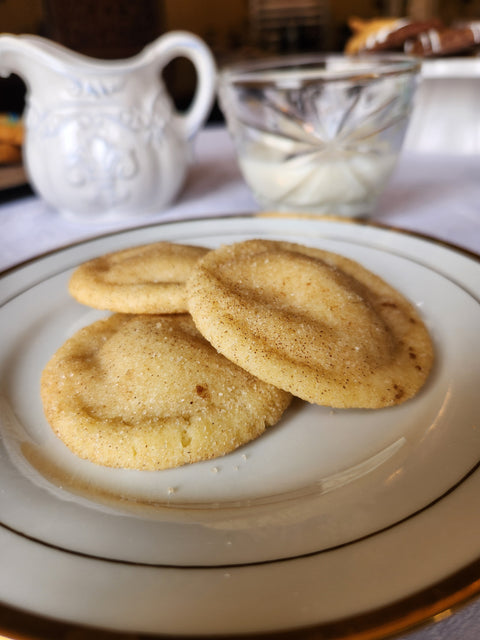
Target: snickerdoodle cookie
<point>149,392</point>
<point>311,322</point>
<point>145,279</point>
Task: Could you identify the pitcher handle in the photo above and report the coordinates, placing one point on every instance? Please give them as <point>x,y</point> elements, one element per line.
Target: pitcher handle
<point>177,44</point>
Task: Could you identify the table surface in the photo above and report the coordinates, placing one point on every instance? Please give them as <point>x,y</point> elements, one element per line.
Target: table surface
<point>432,194</point>
<point>436,195</point>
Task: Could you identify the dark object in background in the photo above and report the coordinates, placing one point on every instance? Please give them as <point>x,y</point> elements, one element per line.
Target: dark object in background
<point>100,28</point>
<point>12,95</point>
<point>105,29</point>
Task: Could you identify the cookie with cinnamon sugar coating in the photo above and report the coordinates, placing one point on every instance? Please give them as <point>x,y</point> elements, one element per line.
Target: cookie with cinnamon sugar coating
<point>145,279</point>
<point>149,393</point>
<point>314,323</point>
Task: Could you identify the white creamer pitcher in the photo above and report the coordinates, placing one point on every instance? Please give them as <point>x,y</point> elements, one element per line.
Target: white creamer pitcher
<point>103,138</point>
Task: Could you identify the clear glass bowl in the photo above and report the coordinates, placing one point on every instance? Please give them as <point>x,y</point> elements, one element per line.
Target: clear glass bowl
<point>319,134</point>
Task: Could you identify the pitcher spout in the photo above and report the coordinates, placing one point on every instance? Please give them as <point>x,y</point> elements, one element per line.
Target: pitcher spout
<point>27,55</point>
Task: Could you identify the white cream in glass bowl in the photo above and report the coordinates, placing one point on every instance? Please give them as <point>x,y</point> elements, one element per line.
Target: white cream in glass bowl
<point>319,134</point>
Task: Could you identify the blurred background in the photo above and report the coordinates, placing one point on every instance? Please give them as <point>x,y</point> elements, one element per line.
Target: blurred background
<point>233,29</point>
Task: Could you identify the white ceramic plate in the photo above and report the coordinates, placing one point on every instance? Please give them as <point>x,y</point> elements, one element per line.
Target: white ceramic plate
<point>346,521</point>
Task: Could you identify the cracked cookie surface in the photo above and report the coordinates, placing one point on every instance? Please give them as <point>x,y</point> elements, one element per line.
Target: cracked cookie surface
<point>144,279</point>
<point>312,322</point>
<point>150,393</point>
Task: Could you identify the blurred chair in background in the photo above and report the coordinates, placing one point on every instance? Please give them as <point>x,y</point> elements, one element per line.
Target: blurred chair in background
<point>285,26</point>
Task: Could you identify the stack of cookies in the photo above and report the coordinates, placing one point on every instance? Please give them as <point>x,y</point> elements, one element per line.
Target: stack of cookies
<point>205,349</point>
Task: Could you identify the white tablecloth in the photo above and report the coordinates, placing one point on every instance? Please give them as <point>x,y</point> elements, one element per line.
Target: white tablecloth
<point>430,194</point>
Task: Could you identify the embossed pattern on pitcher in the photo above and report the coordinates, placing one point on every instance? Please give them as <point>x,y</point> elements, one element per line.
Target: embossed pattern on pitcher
<point>100,143</point>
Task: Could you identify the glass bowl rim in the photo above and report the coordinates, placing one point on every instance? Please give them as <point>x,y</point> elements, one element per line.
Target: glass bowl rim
<point>272,71</point>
